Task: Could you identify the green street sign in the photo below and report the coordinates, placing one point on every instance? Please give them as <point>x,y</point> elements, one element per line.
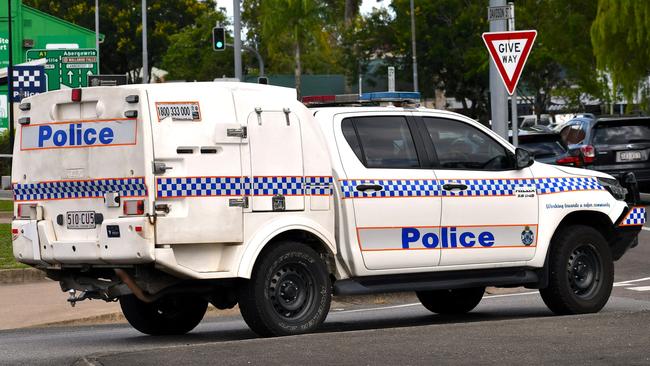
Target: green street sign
<point>67,68</point>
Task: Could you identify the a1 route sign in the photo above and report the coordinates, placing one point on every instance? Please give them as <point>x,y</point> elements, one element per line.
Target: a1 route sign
<point>509,51</point>
<point>67,68</point>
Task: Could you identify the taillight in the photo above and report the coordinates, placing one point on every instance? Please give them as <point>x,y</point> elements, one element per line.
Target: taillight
<point>134,207</point>
<point>588,153</point>
<point>76,95</point>
<point>569,160</point>
<point>26,211</point>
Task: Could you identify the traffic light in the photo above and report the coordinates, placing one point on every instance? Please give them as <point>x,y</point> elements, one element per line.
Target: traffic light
<point>218,38</point>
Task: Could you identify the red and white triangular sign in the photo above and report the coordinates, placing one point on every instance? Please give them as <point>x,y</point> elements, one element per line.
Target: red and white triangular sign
<point>509,51</point>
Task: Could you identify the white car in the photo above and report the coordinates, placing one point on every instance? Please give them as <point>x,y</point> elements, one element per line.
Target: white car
<point>169,197</point>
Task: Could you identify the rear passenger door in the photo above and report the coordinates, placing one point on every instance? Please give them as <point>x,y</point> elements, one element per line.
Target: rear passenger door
<point>391,192</point>
<point>489,209</point>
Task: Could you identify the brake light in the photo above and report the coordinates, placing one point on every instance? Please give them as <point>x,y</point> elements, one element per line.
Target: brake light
<point>76,95</point>
<point>26,211</point>
<point>569,160</point>
<point>588,153</point>
<point>134,207</point>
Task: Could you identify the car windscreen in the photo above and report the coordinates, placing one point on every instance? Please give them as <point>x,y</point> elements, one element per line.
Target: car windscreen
<point>621,133</point>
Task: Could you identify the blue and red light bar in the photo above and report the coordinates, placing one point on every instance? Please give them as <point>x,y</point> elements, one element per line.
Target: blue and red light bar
<point>374,97</point>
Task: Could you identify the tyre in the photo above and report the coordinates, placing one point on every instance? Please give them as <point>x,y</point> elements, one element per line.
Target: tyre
<point>171,315</point>
<point>289,291</point>
<point>581,272</point>
<point>457,301</point>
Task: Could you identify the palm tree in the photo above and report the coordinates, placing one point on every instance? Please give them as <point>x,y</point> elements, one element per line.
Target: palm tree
<point>299,21</point>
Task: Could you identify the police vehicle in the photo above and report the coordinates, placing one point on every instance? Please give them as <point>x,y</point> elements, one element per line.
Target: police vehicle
<point>169,197</point>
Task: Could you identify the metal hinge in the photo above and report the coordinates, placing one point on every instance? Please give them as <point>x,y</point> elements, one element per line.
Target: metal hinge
<point>237,132</point>
<point>238,202</point>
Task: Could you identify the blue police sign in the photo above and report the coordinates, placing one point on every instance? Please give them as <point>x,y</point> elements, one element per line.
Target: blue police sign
<point>28,81</point>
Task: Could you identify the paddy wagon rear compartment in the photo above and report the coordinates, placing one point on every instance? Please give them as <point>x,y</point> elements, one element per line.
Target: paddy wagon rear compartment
<point>79,178</point>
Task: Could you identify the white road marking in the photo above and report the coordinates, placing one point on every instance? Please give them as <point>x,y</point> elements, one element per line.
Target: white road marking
<point>640,288</point>
<point>626,283</point>
<point>645,228</point>
<point>616,284</point>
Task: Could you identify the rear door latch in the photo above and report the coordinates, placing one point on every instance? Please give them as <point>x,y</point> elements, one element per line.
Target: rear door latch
<point>238,202</point>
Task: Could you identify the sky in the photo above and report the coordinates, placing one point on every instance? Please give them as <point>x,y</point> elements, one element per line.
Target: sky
<point>366,5</point>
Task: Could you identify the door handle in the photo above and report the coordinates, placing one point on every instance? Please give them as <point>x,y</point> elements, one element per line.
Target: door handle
<point>452,186</point>
<point>369,187</point>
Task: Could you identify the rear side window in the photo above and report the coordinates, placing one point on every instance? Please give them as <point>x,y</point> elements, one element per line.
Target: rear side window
<point>461,146</point>
<point>573,134</point>
<point>381,141</point>
<point>544,149</point>
<point>614,134</point>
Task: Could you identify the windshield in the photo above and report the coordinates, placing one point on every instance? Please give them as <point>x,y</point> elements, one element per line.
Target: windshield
<point>621,134</point>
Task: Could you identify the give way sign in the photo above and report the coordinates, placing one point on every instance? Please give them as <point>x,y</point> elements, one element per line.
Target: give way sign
<point>509,51</point>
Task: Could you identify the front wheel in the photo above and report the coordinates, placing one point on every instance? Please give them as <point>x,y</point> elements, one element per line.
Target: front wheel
<point>289,291</point>
<point>456,301</point>
<point>171,315</point>
<point>581,272</point>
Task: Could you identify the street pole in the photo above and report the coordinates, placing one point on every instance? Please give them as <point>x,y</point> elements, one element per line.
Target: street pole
<point>145,56</point>
<point>237,35</point>
<point>513,98</point>
<point>498,99</point>
<point>415,59</point>
<point>10,79</point>
<point>97,32</point>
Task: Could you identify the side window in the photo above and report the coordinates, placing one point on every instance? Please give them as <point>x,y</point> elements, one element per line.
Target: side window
<point>461,146</point>
<point>381,141</point>
<point>575,134</point>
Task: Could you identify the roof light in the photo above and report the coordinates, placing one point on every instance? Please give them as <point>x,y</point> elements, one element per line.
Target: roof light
<point>390,96</point>
<point>76,95</point>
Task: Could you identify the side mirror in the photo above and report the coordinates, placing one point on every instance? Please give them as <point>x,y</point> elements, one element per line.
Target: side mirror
<point>523,158</point>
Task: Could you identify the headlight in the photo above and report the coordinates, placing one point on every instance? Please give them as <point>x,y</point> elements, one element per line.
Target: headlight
<point>613,187</point>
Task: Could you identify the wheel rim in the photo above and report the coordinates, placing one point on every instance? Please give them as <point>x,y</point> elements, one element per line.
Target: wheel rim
<point>291,290</point>
<point>584,269</point>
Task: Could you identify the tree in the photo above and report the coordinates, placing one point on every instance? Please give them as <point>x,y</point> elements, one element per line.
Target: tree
<point>620,36</point>
<point>190,55</point>
<point>289,28</point>
<point>121,23</point>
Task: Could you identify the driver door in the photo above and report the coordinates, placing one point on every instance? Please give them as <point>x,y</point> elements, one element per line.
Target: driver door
<point>489,209</point>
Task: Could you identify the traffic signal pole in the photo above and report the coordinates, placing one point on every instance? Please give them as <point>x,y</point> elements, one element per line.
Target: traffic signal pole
<point>237,38</point>
<point>498,98</point>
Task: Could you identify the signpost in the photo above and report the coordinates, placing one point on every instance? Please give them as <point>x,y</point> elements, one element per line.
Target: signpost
<point>68,68</point>
<point>391,78</point>
<point>509,51</point>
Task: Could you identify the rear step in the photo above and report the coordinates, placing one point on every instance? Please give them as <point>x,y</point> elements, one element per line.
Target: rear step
<point>438,281</point>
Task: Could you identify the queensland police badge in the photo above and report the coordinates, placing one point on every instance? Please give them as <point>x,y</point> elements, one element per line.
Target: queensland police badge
<point>527,236</point>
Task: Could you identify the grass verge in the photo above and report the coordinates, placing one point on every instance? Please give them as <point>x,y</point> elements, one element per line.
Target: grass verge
<point>7,260</point>
<point>7,205</point>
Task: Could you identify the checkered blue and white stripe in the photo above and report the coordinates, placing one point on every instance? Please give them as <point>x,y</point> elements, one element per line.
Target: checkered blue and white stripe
<point>27,78</point>
<point>635,217</point>
<point>475,187</point>
<point>242,186</point>
<point>318,186</point>
<point>392,188</point>
<point>129,187</point>
<point>555,185</point>
<point>200,186</point>
<point>483,187</point>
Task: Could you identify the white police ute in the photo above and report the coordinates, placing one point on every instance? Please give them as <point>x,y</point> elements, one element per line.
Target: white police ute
<point>172,196</point>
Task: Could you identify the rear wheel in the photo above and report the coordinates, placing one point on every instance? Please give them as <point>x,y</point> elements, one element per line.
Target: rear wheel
<point>289,291</point>
<point>171,315</point>
<point>581,272</point>
<point>456,301</point>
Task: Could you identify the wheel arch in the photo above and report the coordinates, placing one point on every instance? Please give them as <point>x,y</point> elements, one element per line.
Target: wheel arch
<point>309,233</point>
<point>594,219</point>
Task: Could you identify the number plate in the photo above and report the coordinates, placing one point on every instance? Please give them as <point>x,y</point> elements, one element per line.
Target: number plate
<point>629,156</point>
<point>179,111</point>
<point>80,220</point>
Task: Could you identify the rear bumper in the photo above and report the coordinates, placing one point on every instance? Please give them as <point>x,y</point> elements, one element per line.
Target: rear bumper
<point>642,174</point>
<point>35,243</point>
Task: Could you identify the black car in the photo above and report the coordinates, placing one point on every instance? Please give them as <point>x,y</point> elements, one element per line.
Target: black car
<point>613,145</point>
<point>546,147</point>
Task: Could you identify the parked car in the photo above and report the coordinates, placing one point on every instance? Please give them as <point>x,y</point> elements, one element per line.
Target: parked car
<point>546,147</point>
<point>614,145</point>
